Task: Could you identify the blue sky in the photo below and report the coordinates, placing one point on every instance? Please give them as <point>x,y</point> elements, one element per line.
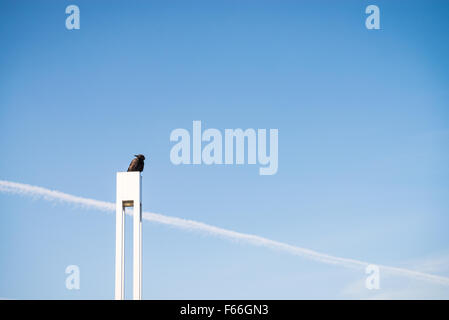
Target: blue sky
<point>363,120</point>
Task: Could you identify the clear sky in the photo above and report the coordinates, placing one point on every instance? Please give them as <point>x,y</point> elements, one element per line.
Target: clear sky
<point>363,120</point>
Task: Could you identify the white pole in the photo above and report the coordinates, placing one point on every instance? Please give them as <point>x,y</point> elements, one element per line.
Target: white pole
<point>137,246</point>
<point>119,252</point>
<point>129,194</point>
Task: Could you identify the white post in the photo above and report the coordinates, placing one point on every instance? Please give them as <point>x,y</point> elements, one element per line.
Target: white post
<point>129,194</point>
<point>119,249</point>
<point>137,245</point>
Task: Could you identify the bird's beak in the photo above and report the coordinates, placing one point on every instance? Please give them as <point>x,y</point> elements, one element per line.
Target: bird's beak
<point>135,155</point>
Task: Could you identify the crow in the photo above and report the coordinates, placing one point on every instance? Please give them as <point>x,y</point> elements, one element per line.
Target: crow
<point>137,163</point>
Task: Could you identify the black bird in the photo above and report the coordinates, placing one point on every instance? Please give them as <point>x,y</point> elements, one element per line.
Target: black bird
<point>137,163</point>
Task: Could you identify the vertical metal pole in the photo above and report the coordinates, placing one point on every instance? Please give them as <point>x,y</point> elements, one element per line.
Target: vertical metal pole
<point>137,245</point>
<point>119,252</point>
<point>129,193</point>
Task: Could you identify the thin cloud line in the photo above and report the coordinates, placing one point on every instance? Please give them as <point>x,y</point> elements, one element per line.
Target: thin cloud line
<point>191,225</point>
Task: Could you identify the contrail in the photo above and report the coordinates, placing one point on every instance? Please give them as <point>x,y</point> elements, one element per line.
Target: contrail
<point>52,196</point>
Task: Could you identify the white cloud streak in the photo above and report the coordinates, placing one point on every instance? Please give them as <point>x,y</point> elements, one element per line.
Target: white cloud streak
<point>57,196</point>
